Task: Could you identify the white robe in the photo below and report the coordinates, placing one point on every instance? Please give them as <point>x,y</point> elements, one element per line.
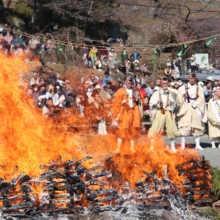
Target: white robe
<point>214,119</point>
<point>191,119</point>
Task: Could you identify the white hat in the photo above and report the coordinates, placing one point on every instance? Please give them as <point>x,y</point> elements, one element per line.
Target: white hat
<point>97,86</point>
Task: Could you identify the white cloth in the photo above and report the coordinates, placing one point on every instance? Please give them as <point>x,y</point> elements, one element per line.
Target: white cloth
<point>193,61</point>
<point>192,93</point>
<point>130,98</point>
<point>215,106</point>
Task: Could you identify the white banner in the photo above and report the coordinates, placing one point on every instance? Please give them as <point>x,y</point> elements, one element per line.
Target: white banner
<point>202,59</point>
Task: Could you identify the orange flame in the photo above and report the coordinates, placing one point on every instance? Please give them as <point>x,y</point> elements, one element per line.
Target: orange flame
<point>27,139</point>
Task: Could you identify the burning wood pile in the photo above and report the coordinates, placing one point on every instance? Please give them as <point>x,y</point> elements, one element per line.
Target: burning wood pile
<point>69,188</point>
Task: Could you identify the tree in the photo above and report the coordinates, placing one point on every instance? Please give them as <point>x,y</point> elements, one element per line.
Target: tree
<point>83,10</point>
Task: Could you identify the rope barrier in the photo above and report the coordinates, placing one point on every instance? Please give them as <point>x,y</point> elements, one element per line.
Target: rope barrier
<point>142,46</point>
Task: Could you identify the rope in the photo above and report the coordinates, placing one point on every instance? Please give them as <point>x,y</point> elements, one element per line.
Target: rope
<point>141,46</point>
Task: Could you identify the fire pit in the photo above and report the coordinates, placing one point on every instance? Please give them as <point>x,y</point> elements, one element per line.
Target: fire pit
<point>69,188</point>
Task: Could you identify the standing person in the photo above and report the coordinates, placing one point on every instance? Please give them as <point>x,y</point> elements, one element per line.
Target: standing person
<point>162,104</point>
<point>214,117</point>
<point>127,115</point>
<point>193,63</point>
<point>112,56</point>
<point>124,55</point>
<point>192,113</point>
<point>85,52</point>
<point>178,64</point>
<point>168,72</point>
<point>92,54</point>
<point>207,89</point>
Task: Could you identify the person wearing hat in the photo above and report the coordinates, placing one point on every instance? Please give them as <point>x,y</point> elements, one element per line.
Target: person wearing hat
<point>126,115</point>
<point>214,117</point>
<point>192,111</point>
<point>168,72</point>
<point>162,104</point>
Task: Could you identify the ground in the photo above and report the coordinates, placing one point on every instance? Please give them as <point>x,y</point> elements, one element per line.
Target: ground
<point>210,154</point>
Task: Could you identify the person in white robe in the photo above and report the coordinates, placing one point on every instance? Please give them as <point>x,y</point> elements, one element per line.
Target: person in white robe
<point>214,117</point>
<point>192,111</point>
<point>162,104</point>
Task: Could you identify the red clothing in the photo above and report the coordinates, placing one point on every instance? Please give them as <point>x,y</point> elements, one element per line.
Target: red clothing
<point>143,92</point>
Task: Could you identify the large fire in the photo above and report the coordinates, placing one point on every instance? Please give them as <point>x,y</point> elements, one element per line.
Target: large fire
<point>27,139</point>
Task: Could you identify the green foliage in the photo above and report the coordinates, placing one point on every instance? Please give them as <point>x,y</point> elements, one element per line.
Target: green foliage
<point>22,7</point>
<point>216,181</point>
<point>211,213</point>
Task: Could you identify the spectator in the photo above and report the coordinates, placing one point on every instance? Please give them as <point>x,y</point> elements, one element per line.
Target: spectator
<point>170,61</point>
<point>143,80</point>
<point>85,52</point>
<point>136,66</point>
<point>128,66</point>
<point>116,86</point>
<point>177,64</point>
<point>216,83</point>
<point>93,54</point>
<point>98,64</point>
<point>129,42</point>
<point>50,55</point>
<point>112,56</point>
<point>142,90</point>
<point>35,79</point>
<point>100,81</point>
<point>207,89</point>
<point>193,63</point>
<point>168,72</point>
<point>108,88</point>
<point>137,79</point>
<point>144,70</point>
<point>105,65</point>
<point>35,93</point>
<point>103,53</point>
<point>135,55</point>
<point>106,78</point>
<point>124,55</point>
<point>158,81</point>
<point>150,89</point>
